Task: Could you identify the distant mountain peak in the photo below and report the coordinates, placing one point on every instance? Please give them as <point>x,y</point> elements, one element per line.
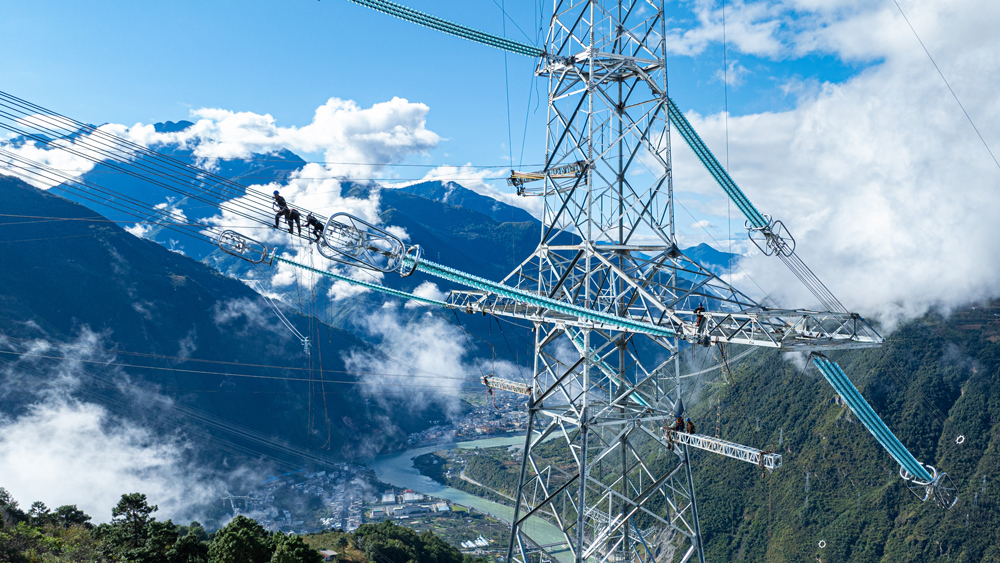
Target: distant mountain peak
<point>171,126</point>
<point>717,261</point>
<point>454,193</point>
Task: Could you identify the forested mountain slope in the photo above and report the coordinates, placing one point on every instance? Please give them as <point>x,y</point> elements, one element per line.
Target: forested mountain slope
<point>937,378</point>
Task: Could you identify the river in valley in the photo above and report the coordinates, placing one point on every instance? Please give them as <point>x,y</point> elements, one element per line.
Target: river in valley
<point>397,470</point>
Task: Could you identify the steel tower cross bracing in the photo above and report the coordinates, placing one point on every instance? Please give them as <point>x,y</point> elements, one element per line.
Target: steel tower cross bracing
<point>597,409</point>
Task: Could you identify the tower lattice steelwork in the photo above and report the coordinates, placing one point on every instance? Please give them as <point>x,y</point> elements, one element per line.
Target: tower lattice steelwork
<point>598,406</point>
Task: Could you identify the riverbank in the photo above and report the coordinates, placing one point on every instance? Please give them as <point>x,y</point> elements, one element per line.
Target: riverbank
<point>448,467</point>
<point>462,442</point>
<point>399,471</point>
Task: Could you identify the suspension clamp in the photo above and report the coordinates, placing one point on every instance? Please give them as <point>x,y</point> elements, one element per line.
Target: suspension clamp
<point>356,242</point>
<point>245,248</point>
<point>772,239</point>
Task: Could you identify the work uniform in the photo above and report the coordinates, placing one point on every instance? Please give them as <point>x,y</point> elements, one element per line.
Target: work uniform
<point>282,210</point>
<point>316,225</point>
<point>702,326</point>
<point>293,216</point>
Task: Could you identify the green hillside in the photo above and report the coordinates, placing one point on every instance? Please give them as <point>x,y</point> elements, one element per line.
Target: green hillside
<point>935,380</point>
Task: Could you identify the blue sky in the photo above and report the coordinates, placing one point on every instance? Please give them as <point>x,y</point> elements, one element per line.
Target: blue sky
<point>128,62</point>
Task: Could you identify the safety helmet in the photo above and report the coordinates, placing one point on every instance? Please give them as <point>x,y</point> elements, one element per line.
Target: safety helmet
<point>275,192</point>
<point>688,419</point>
<point>309,216</point>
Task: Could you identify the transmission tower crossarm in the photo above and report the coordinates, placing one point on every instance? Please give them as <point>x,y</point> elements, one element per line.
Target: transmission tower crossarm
<point>541,303</point>
<point>767,460</point>
<point>772,328</point>
<point>787,329</point>
<point>507,385</point>
<point>518,179</point>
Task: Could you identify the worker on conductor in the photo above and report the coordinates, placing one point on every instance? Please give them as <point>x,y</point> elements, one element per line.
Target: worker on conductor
<point>316,225</point>
<point>282,209</point>
<point>294,216</point>
<point>690,426</point>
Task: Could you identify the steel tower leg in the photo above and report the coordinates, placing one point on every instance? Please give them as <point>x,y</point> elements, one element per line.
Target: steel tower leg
<point>592,465</point>
<point>694,506</point>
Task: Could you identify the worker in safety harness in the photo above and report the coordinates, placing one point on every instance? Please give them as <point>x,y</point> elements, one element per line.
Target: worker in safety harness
<point>316,225</point>
<point>282,206</point>
<point>690,426</point>
<point>679,425</point>
<point>701,325</point>
<point>294,216</point>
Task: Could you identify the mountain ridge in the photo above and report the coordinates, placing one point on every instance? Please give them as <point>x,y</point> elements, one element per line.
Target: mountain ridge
<point>454,193</point>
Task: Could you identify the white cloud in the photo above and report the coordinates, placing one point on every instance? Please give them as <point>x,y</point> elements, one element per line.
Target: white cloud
<point>242,310</point>
<point>61,450</point>
<point>889,192</point>
<point>735,75</point>
<point>64,158</point>
<point>853,30</point>
<point>70,452</point>
<point>422,356</point>
<point>427,290</point>
<point>754,28</point>
<point>356,140</point>
<point>170,211</point>
<point>345,290</point>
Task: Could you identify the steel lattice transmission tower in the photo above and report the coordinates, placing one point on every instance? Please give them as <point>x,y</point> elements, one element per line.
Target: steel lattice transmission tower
<point>608,244</point>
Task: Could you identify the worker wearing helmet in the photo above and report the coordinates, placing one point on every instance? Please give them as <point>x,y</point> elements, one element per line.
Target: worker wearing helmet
<point>316,225</point>
<point>690,426</point>
<point>282,206</point>
<point>679,425</point>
